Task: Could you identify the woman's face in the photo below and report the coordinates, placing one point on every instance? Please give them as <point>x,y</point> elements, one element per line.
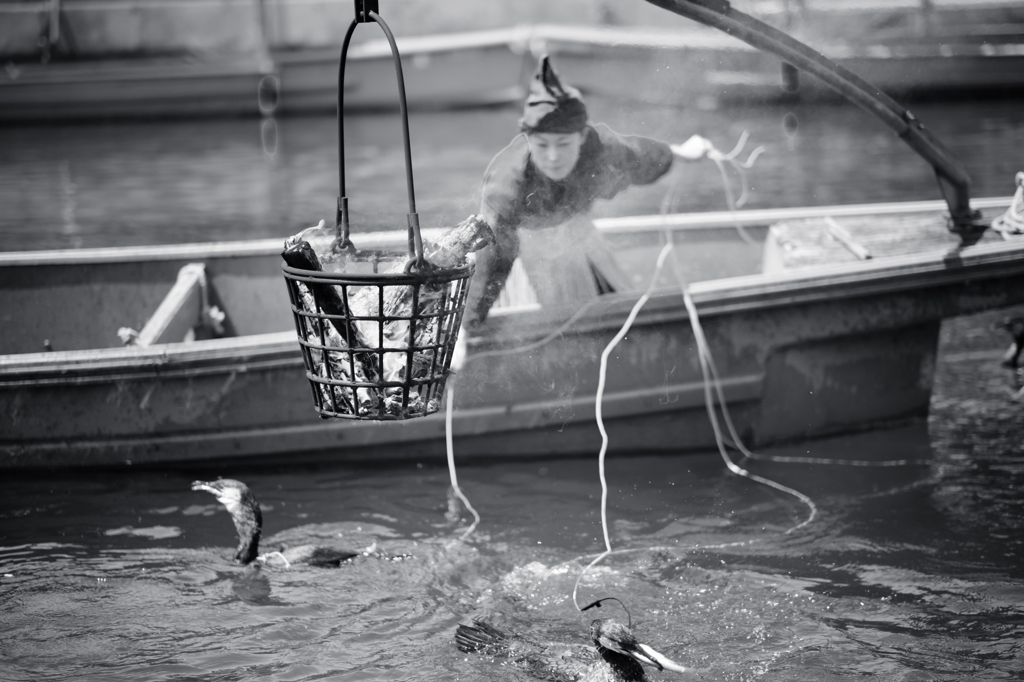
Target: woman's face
<point>555,154</point>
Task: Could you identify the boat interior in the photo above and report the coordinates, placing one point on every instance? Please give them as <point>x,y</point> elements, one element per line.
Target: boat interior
<point>146,296</point>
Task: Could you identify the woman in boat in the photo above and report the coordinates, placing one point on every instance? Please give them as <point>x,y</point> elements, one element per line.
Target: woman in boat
<point>538,191</point>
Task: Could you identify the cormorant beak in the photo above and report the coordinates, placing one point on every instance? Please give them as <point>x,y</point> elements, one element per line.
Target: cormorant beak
<point>635,651</point>
<point>228,492</point>
<point>661,661</point>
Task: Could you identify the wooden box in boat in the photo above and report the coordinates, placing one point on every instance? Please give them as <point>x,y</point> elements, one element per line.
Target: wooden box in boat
<point>803,350</point>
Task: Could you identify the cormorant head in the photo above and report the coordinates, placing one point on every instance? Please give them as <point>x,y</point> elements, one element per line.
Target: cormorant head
<point>610,635</point>
<point>1013,324</point>
<point>612,639</point>
<point>244,510</point>
<point>229,492</point>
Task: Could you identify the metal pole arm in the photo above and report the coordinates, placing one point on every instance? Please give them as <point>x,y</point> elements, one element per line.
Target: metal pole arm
<point>954,183</point>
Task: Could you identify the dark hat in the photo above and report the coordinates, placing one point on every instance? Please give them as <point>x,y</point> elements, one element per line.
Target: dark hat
<point>551,106</point>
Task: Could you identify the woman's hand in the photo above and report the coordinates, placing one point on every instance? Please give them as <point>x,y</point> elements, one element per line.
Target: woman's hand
<point>695,148</point>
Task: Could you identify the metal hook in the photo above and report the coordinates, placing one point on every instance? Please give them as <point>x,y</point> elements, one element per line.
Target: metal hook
<point>597,604</point>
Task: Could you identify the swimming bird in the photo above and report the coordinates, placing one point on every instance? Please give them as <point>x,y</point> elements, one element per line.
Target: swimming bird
<point>245,512</point>
<point>1015,326</point>
<point>616,656</point>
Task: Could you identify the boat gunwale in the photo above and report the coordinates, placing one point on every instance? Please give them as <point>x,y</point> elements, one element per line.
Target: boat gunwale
<point>620,225</point>
<point>275,349</point>
<point>886,275</point>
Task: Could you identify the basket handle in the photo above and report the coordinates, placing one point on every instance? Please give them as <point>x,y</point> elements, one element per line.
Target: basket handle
<point>366,11</point>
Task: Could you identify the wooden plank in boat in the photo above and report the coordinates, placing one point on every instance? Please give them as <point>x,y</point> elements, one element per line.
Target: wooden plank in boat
<point>825,239</point>
<point>181,310</point>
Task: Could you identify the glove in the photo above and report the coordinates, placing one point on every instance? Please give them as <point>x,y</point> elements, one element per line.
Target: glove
<point>693,149</point>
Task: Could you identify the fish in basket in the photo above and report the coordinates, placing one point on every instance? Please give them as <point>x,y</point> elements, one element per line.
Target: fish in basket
<point>378,330</point>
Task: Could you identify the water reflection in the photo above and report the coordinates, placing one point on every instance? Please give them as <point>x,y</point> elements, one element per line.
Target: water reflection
<point>251,586</point>
<point>102,184</point>
<point>269,137</point>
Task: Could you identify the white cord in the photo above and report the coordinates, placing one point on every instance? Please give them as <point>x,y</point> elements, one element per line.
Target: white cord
<point>601,378</point>
<point>704,354</point>
<point>451,459</point>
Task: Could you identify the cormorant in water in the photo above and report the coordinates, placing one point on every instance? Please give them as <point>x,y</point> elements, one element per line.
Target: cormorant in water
<point>245,512</point>
<point>1014,325</point>
<point>617,657</point>
<point>1011,359</point>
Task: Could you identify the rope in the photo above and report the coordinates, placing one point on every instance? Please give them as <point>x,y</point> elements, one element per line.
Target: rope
<point>712,389</point>
<point>451,461</point>
<point>720,160</point>
<point>598,414</point>
<point>741,167</point>
<point>704,354</point>
<point>708,367</point>
<point>1012,221</point>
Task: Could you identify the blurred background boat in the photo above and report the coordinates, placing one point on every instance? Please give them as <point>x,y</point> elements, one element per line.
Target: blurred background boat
<point>80,59</point>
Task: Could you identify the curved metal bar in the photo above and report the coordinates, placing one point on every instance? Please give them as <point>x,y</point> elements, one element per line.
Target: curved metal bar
<point>402,106</point>
<point>415,240</point>
<point>954,183</point>
<point>341,227</point>
<point>342,218</point>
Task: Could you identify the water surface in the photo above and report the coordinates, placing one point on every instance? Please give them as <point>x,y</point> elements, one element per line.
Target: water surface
<point>909,572</point>
<point>107,184</point>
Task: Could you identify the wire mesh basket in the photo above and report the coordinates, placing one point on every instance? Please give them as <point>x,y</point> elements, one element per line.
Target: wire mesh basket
<point>377,337</point>
<point>377,346</point>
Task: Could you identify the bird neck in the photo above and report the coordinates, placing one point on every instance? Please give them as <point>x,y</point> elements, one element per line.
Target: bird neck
<point>626,668</point>
<point>249,524</point>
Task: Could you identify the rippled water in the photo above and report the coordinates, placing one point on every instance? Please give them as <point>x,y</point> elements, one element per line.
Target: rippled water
<point>913,572</point>
<point>106,184</point>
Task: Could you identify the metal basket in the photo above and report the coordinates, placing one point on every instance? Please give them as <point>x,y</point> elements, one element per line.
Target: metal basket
<point>390,362</point>
<point>377,338</point>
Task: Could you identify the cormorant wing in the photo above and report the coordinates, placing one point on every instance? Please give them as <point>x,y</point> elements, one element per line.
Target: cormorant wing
<point>545,661</point>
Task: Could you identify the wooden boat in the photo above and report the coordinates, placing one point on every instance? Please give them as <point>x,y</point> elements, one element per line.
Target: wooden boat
<point>803,350</point>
